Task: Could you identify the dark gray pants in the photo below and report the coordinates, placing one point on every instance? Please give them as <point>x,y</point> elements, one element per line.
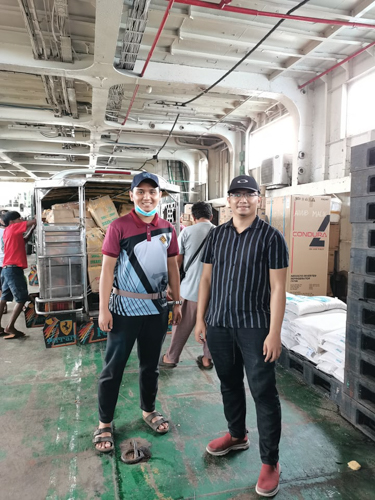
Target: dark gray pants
<point>232,349</point>
<point>149,331</point>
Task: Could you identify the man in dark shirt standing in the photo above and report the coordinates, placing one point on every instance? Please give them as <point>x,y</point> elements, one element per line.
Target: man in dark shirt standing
<point>243,290</point>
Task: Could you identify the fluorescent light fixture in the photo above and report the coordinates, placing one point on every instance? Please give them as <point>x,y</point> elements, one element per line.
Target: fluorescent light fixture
<point>50,157</point>
<point>170,109</point>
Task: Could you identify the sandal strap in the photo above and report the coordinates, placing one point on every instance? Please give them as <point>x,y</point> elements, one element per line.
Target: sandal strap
<point>103,429</point>
<point>155,425</point>
<point>98,439</point>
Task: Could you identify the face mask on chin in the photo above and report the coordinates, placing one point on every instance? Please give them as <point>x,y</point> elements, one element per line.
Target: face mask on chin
<point>145,214</point>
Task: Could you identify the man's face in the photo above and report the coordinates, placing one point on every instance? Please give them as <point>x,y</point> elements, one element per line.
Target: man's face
<point>146,196</point>
<point>243,202</point>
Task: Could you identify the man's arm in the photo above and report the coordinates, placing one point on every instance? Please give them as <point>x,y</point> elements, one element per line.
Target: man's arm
<point>174,286</point>
<point>180,260</point>
<point>272,344</point>
<point>30,224</point>
<point>203,299</point>
<point>105,288</point>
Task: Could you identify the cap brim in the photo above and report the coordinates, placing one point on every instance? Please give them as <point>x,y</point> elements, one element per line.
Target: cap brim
<point>247,188</point>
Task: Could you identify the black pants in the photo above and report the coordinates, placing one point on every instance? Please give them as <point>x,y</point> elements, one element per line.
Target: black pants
<point>149,331</point>
<point>232,350</point>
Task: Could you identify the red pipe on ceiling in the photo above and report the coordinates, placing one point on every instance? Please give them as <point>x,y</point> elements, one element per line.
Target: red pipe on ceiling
<point>223,6</point>
<point>161,27</point>
<point>337,65</point>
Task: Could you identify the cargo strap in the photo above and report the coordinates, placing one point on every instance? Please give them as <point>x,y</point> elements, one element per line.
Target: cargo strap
<point>144,296</point>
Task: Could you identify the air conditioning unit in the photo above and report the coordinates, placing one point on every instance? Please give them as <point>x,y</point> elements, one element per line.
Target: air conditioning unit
<point>276,171</point>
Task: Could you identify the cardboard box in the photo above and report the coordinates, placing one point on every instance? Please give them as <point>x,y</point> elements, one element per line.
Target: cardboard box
<point>125,209</point>
<point>61,216</point>
<point>72,205</point>
<point>87,213</point>
<point>225,214</point>
<point>60,331</point>
<point>94,240</point>
<point>187,208</point>
<point>90,333</point>
<point>94,276</point>
<point>94,259</point>
<point>90,223</point>
<point>334,236</point>
<point>331,261</point>
<point>103,211</point>
<point>304,222</point>
<point>186,218</point>
<point>261,213</point>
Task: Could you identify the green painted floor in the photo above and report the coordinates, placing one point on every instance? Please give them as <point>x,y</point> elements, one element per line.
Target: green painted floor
<point>48,413</point>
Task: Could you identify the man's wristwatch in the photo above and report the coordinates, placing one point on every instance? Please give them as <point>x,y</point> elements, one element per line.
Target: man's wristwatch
<point>177,302</point>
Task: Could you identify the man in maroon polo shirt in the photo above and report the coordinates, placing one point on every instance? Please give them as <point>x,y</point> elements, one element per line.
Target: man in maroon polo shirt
<point>139,260</point>
<point>13,282</point>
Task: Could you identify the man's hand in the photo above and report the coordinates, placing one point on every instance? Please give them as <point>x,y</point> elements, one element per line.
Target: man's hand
<point>200,331</point>
<point>105,321</point>
<point>177,315</point>
<point>272,347</point>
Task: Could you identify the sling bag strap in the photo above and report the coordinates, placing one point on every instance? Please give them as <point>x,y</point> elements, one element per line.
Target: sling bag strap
<point>192,259</point>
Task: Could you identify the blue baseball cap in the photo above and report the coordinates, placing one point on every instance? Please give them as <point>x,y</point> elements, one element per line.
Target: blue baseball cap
<point>144,177</point>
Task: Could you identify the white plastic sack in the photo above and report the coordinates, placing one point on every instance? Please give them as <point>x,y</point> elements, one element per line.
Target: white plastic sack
<point>301,304</point>
<point>334,349</point>
<point>288,342</point>
<point>318,325</point>
<point>339,374</point>
<point>326,367</point>
<point>331,358</point>
<point>306,352</point>
<point>336,337</point>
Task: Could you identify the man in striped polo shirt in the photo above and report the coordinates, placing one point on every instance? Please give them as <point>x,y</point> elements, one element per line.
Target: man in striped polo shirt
<point>139,260</point>
<point>241,307</point>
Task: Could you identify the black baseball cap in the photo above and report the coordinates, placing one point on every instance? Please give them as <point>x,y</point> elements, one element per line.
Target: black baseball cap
<point>244,182</point>
<point>144,177</point>
<point>9,216</point>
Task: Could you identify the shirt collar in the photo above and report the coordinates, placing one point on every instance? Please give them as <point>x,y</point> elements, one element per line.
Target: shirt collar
<point>139,222</point>
<point>255,225</point>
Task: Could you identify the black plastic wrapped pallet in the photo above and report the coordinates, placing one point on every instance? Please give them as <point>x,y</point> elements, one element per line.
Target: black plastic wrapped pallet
<point>362,261</point>
<point>361,287</point>
<point>362,209</point>
<point>360,389</point>
<point>361,363</point>
<point>361,313</point>
<point>363,183</point>
<point>362,157</point>
<point>363,235</point>
<point>360,338</point>
<point>306,371</point>
<point>358,415</point>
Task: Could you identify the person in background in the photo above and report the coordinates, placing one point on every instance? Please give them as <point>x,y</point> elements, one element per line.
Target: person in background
<point>190,241</point>
<point>13,282</point>
<point>139,260</point>
<point>2,227</point>
<point>242,289</point>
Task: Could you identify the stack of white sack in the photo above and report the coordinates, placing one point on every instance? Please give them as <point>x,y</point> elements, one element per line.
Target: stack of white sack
<point>314,327</point>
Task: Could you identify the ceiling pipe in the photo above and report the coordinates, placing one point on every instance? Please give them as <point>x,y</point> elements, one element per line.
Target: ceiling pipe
<point>161,27</point>
<point>223,6</point>
<point>337,65</point>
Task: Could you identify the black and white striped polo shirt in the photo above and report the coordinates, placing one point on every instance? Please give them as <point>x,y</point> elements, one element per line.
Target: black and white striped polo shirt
<point>240,285</point>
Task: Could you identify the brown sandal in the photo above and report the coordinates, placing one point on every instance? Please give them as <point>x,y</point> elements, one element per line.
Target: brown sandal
<point>101,439</point>
<point>155,425</point>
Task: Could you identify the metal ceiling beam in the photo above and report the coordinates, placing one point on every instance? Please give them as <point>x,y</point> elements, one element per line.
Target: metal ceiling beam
<point>330,34</point>
<point>234,43</point>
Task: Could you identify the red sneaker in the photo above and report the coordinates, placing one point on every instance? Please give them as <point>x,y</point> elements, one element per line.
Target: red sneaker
<point>225,444</point>
<point>268,481</point>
